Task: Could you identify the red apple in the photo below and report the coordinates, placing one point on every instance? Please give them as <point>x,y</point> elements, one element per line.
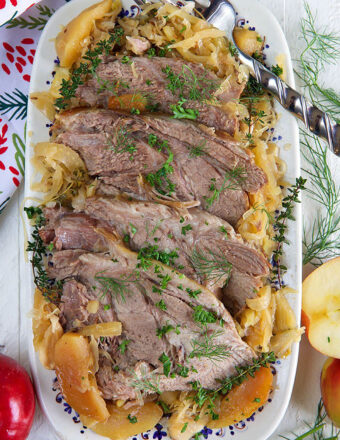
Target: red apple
<point>330,389</point>
<point>17,401</point>
<point>321,308</point>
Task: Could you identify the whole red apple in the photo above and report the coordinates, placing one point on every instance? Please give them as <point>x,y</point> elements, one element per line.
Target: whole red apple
<point>17,401</point>
<point>330,389</point>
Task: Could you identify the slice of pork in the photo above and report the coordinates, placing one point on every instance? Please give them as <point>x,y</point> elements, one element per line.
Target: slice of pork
<point>147,77</point>
<point>196,238</point>
<point>88,133</point>
<point>135,307</point>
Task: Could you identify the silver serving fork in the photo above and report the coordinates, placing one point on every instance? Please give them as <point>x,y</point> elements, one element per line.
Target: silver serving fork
<point>222,15</point>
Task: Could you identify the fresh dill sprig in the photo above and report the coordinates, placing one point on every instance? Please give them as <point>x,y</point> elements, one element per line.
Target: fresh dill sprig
<point>189,86</point>
<point>116,287</point>
<point>321,48</point>
<point>322,240</point>
<point>51,290</point>
<point>206,347</point>
<point>233,180</point>
<point>92,60</point>
<point>122,142</point>
<point>211,266</point>
<point>146,383</point>
<point>317,431</point>
<point>198,150</point>
<point>280,227</point>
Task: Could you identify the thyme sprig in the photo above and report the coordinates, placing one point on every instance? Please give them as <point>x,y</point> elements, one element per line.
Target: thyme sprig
<point>211,266</point>
<point>322,240</point>
<point>203,396</point>
<point>280,227</point>
<point>92,59</point>
<point>233,180</point>
<point>51,290</point>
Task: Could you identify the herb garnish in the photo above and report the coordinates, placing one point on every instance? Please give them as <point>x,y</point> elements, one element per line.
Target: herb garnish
<point>116,287</point>
<point>132,419</point>
<point>204,396</point>
<point>52,291</point>
<point>317,431</point>
<point>123,345</point>
<point>92,60</point>
<point>277,70</point>
<point>280,226</point>
<point>193,293</point>
<point>166,364</point>
<point>124,143</point>
<point>233,180</point>
<point>148,253</point>
<point>205,347</point>
<point>161,305</point>
<point>186,228</point>
<point>179,112</point>
<point>146,383</point>
<point>211,266</point>
<point>203,316</point>
<point>198,150</point>
<point>160,332</point>
<point>189,86</point>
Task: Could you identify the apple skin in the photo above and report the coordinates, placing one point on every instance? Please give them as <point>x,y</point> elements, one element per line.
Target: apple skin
<point>330,389</point>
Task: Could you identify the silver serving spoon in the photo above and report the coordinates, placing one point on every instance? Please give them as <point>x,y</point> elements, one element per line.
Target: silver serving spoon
<point>222,15</point>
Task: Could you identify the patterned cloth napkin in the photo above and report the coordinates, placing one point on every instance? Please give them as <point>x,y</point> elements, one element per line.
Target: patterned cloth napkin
<point>18,40</point>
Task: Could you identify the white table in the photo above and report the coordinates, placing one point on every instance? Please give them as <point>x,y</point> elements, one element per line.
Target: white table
<point>13,319</point>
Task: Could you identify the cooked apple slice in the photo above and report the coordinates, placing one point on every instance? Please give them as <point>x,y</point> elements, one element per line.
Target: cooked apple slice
<point>124,423</point>
<point>321,308</point>
<point>74,366</point>
<point>69,42</point>
<point>244,399</point>
<point>330,389</point>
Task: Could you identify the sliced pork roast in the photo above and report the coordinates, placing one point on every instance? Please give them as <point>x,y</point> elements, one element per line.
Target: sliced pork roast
<point>206,248</point>
<point>150,79</point>
<point>159,315</point>
<point>218,177</point>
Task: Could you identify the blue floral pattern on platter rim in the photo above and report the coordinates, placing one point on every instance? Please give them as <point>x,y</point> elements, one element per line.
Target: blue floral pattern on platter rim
<point>160,430</point>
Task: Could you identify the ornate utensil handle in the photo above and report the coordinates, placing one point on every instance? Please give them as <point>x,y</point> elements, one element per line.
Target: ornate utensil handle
<point>314,119</point>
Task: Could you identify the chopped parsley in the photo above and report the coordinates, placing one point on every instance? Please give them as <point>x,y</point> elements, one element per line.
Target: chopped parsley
<point>126,60</point>
<point>203,316</point>
<point>160,332</point>
<point>123,345</point>
<point>186,228</point>
<point>193,293</point>
<point>166,364</point>
<point>132,419</point>
<point>161,305</point>
<point>277,70</point>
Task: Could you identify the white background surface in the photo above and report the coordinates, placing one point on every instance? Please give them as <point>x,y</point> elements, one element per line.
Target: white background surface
<point>13,320</point>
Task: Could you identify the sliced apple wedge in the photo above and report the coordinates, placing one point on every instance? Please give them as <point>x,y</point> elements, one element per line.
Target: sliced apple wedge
<point>321,308</point>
